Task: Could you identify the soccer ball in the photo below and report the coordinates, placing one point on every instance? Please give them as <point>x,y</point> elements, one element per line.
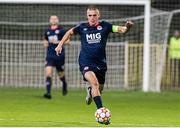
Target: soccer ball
<point>103,115</point>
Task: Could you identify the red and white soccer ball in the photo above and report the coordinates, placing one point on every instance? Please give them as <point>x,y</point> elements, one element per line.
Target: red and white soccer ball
<point>102,115</point>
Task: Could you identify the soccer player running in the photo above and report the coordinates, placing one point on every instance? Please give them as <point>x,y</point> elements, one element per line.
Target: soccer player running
<point>92,58</point>
<point>52,36</point>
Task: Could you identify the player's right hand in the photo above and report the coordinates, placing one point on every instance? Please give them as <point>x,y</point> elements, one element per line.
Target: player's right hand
<point>58,50</point>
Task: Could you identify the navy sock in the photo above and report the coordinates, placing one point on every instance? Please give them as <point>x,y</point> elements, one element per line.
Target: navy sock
<point>64,82</point>
<point>98,102</point>
<point>48,84</point>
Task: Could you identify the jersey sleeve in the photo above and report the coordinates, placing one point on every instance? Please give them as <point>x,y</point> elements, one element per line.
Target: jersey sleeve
<point>109,26</point>
<point>76,29</point>
<point>45,35</point>
<point>63,32</point>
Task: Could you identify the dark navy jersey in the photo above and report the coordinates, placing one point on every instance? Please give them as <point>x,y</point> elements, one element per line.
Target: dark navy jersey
<point>93,44</point>
<point>56,34</point>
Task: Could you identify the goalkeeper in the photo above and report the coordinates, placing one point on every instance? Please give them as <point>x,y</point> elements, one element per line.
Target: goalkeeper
<point>92,58</point>
<point>52,36</point>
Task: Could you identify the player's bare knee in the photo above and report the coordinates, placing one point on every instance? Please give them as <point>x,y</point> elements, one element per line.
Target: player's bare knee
<point>95,85</point>
<point>48,74</point>
<point>48,71</point>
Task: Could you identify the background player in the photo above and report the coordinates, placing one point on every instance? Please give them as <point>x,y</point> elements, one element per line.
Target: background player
<point>92,58</point>
<point>52,37</point>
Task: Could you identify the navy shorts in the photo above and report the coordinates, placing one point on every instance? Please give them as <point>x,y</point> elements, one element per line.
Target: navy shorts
<point>100,73</point>
<point>58,63</point>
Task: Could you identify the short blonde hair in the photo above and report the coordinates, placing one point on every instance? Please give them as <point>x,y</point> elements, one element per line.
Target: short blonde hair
<point>53,16</point>
<point>93,7</point>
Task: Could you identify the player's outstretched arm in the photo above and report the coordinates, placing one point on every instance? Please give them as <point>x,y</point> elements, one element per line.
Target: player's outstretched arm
<point>65,39</point>
<point>125,28</point>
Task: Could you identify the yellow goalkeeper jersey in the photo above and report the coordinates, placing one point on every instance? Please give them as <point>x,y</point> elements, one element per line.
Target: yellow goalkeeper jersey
<point>174,48</point>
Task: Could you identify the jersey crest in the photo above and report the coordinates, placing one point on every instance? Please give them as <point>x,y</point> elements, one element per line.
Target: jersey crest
<point>57,31</point>
<point>99,27</point>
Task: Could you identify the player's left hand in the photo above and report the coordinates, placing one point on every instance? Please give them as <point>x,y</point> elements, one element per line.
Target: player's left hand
<point>58,50</point>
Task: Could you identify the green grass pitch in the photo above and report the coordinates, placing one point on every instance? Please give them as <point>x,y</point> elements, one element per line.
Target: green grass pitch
<point>27,107</point>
